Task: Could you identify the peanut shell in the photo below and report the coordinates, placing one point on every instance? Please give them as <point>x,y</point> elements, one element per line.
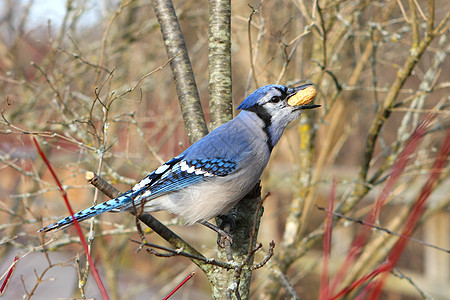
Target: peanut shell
<point>303,97</point>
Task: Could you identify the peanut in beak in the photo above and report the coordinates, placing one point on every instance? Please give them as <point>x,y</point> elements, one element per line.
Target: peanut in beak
<point>302,97</point>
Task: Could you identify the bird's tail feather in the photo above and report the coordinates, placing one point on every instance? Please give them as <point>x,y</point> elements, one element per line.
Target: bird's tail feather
<point>111,205</point>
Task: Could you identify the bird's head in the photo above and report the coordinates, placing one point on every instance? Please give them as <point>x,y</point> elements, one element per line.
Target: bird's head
<point>277,105</point>
<point>276,97</point>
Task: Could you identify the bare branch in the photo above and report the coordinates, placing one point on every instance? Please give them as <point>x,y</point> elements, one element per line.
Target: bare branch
<point>188,97</point>
<point>219,63</point>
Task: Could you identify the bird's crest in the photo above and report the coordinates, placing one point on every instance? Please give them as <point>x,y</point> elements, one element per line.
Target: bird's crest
<point>263,91</point>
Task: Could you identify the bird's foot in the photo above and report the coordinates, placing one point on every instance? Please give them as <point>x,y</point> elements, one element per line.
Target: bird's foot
<point>224,239</point>
<point>224,236</point>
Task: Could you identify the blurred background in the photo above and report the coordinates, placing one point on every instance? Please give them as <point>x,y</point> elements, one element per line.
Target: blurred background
<point>82,76</point>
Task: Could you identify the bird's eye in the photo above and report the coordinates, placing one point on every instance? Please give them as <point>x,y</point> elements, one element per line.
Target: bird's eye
<point>276,99</point>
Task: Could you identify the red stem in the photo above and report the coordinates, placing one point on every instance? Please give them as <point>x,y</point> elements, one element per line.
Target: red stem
<point>8,276</point>
<point>324,288</point>
<point>75,222</point>
<point>398,168</point>
<point>415,214</point>
<point>180,285</point>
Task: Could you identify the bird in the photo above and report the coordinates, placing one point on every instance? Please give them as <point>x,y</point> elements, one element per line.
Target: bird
<point>208,178</point>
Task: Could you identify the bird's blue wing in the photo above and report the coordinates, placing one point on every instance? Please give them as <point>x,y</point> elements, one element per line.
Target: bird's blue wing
<point>179,175</point>
<point>172,176</point>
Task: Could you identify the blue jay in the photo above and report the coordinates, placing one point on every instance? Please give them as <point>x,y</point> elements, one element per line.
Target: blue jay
<point>213,174</point>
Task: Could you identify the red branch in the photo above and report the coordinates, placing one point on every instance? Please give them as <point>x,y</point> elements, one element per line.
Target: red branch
<point>397,169</point>
<point>8,276</point>
<point>414,216</point>
<point>357,283</point>
<point>412,219</point>
<point>324,288</point>
<point>75,222</point>
<point>178,286</point>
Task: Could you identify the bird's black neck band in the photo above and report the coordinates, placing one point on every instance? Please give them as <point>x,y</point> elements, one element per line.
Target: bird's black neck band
<point>265,116</point>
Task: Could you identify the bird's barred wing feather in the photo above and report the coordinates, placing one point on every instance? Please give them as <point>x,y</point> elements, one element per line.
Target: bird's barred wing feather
<point>172,176</point>
<point>178,174</point>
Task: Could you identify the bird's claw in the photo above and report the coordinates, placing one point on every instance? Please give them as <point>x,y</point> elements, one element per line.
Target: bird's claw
<point>224,239</point>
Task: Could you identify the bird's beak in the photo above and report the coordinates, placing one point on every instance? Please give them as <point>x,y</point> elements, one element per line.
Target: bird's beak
<point>301,96</point>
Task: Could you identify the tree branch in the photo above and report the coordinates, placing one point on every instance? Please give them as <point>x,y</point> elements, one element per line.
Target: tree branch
<point>220,96</point>
<point>180,64</point>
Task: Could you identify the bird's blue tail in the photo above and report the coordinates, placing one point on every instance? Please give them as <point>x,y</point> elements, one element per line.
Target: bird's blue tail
<point>115,204</point>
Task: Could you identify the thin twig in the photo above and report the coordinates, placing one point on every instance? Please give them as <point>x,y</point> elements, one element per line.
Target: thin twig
<point>390,232</point>
<point>266,258</point>
<point>180,252</point>
<point>250,45</point>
